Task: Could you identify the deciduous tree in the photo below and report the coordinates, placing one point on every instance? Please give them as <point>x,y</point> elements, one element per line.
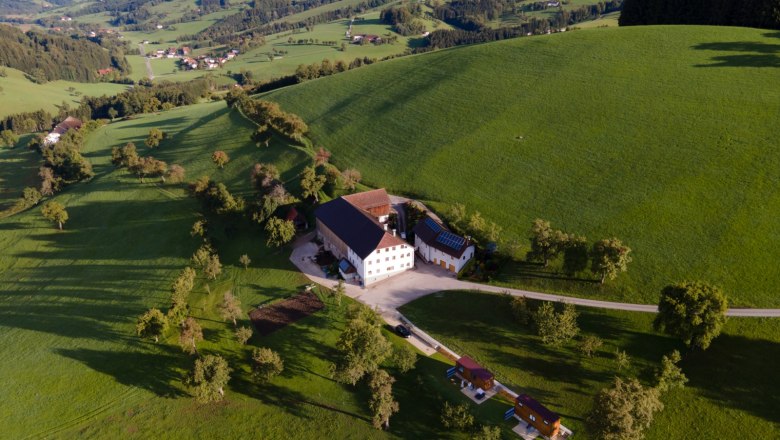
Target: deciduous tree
<point>245,261</point>
<point>243,334</point>
<point>266,364</point>
<point>209,377</point>
<point>609,257</point>
<point>311,183</point>
<point>404,357</point>
<point>321,157</point>
<point>175,174</point>
<point>151,324</point>
<point>155,136</point>
<point>622,359</point>
<point>589,345</point>
<point>279,231</point>
<point>8,138</point>
<point>624,411</point>
<point>182,286</point>
<point>199,228</point>
<point>220,158</point>
<point>670,375</point>
<point>350,178</point>
<point>362,347</point>
<point>213,267</point>
<point>382,404</point>
<point>546,243</point>
<point>556,328</point>
<point>457,417</point>
<point>191,333</point>
<point>230,309</point>
<point>55,212</point>
<point>692,311</point>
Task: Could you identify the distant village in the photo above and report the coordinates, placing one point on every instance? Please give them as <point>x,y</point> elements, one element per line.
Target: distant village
<point>190,62</point>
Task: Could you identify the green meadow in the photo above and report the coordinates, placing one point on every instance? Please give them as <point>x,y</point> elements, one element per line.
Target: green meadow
<point>731,385</point>
<point>661,136</point>
<point>18,94</point>
<point>69,300</point>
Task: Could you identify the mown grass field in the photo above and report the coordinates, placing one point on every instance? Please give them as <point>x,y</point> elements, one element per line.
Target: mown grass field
<point>732,384</point>
<point>69,301</point>
<point>22,95</point>
<point>642,133</point>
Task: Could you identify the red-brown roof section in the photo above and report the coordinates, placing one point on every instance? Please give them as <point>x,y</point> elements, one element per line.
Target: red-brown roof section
<point>375,202</point>
<point>476,369</point>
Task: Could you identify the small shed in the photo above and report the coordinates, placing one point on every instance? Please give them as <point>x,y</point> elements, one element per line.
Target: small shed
<point>471,371</point>
<point>537,415</point>
<point>347,270</point>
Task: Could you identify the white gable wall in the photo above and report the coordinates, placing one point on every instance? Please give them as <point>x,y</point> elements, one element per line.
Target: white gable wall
<point>384,263</point>
<point>431,254</point>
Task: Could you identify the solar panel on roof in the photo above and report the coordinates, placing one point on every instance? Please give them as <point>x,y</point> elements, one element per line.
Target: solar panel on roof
<point>435,227</point>
<point>450,240</point>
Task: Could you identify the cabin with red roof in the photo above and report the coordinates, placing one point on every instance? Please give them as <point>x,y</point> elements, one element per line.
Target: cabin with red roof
<point>471,371</point>
<point>354,228</point>
<point>537,415</point>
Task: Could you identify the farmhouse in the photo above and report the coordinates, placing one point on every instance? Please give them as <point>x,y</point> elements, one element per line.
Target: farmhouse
<point>537,415</point>
<point>354,229</point>
<point>69,123</point>
<point>436,244</point>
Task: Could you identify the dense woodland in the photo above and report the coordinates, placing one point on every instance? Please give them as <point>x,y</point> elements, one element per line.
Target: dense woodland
<point>750,13</point>
<point>47,57</point>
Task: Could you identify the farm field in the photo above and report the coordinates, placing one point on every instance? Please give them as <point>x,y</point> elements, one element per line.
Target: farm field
<point>716,403</point>
<point>22,95</point>
<point>602,132</point>
<point>69,301</point>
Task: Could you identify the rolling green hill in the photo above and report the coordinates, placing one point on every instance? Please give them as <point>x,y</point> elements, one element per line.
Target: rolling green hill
<point>662,136</point>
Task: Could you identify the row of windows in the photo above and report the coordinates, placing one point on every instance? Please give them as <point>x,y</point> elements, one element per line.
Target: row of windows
<point>389,269</point>
<point>388,258</point>
<point>403,246</point>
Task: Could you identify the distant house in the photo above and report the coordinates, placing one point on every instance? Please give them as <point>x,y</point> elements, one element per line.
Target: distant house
<point>105,71</point>
<point>438,245</point>
<point>185,50</point>
<point>354,228</point>
<point>537,415</point>
<point>70,123</point>
<point>370,38</point>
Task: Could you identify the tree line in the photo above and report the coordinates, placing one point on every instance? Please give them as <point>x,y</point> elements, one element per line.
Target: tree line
<point>45,57</point>
<point>750,13</point>
<point>404,19</point>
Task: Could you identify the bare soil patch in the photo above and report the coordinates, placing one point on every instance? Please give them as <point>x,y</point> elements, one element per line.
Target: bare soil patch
<point>271,318</point>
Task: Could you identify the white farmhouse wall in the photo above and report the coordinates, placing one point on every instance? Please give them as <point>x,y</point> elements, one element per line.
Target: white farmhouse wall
<point>436,256</point>
<point>384,263</point>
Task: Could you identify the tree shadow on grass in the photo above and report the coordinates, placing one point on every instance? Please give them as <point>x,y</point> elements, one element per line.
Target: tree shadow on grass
<point>155,372</point>
<point>738,372</point>
<point>747,54</point>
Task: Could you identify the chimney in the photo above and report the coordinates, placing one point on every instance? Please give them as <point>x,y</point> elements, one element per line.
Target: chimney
<point>385,225</point>
<point>393,232</point>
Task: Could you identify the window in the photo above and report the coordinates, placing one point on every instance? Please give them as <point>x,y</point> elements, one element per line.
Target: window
<point>393,257</point>
<point>393,247</point>
<point>387,258</point>
<point>532,417</point>
<point>369,262</point>
<point>545,422</point>
<point>390,268</point>
<point>378,260</point>
<point>520,404</point>
<point>408,264</point>
<point>369,272</point>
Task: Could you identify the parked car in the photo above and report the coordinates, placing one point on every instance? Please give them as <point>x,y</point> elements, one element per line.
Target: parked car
<point>402,331</point>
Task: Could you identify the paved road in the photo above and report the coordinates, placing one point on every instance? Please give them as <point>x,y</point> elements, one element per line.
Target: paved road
<point>426,279</point>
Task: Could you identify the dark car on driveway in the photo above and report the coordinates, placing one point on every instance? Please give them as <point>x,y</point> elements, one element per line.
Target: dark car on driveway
<point>402,331</point>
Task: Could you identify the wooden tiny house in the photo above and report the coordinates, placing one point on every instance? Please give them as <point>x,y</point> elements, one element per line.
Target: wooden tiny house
<point>474,373</point>
<point>537,415</point>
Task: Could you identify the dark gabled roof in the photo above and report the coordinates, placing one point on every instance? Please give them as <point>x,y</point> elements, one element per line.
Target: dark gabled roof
<point>538,408</point>
<point>475,369</point>
<point>434,234</point>
<point>355,227</point>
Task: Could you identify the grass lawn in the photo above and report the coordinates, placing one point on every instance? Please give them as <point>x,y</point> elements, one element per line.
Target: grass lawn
<point>732,384</point>
<point>69,301</point>
<point>600,132</point>
<point>22,95</point>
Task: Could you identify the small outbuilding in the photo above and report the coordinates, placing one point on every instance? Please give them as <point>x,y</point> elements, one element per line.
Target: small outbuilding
<point>537,415</point>
<point>471,371</point>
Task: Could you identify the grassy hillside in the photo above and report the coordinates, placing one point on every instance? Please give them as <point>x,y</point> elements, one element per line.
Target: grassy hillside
<point>69,301</point>
<point>662,136</point>
<point>717,403</point>
<point>19,94</point>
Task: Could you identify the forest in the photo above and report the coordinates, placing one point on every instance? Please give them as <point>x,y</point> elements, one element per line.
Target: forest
<point>749,13</point>
<point>47,57</point>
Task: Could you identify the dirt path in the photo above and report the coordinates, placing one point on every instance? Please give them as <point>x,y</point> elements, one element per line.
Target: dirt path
<point>149,71</point>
